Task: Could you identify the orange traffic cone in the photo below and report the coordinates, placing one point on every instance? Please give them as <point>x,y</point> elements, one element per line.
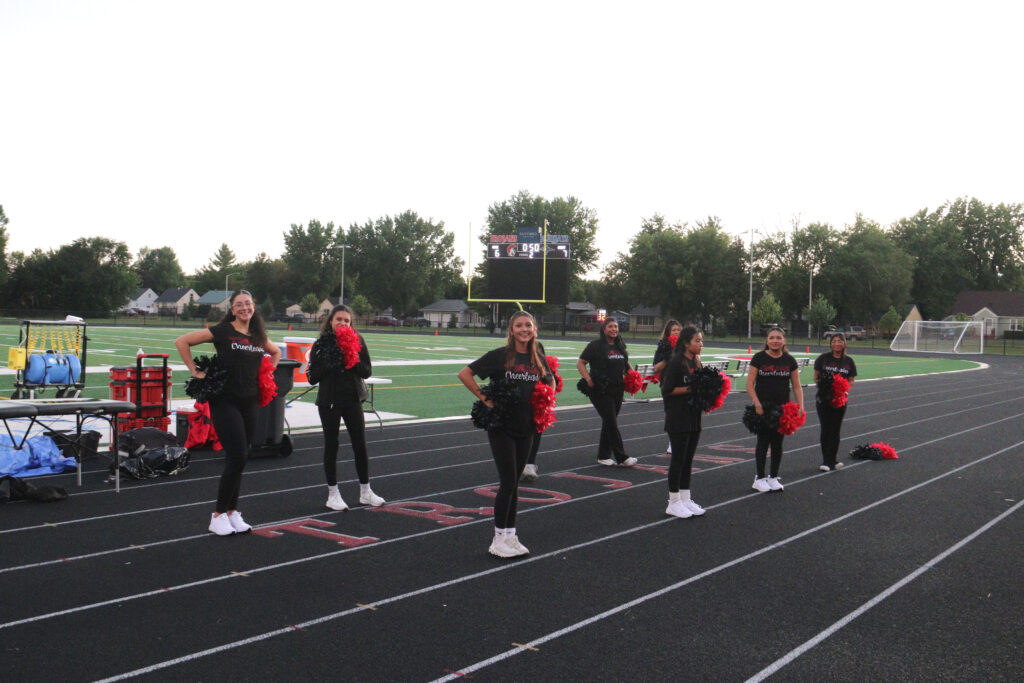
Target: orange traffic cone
<point>435,333</point>
<point>808,349</point>
<point>289,327</point>
<point>750,349</point>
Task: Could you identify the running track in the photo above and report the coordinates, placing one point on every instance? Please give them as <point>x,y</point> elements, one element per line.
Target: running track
<point>893,570</point>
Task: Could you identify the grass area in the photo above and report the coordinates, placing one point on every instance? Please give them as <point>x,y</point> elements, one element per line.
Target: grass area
<point>423,367</point>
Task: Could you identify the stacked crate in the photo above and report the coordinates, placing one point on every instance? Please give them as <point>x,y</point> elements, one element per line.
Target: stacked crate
<point>148,387</point>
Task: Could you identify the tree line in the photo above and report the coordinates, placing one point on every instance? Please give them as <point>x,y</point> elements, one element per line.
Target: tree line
<point>816,272</point>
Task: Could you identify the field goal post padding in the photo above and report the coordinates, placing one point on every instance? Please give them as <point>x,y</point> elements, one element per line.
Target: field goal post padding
<point>940,336</point>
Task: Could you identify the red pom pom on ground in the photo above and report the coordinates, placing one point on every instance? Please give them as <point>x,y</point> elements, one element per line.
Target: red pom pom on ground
<point>267,385</point>
<point>792,419</point>
<point>543,403</point>
<point>348,342</point>
<point>887,451</point>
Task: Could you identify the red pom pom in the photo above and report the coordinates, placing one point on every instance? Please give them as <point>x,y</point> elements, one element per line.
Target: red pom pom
<point>840,391</point>
<point>887,451</point>
<point>726,388</point>
<point>633,381</point>
<point>554,364</point>
<point>268,387</point>
<point>792,419</point>
<point>543,403</point>
<point>672,339</point>
<point>348,342</point>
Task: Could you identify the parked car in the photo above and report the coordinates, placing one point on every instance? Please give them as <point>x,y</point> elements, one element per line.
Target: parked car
<point>852,332</point>
<point>386,320</point>
<point>413,321</point>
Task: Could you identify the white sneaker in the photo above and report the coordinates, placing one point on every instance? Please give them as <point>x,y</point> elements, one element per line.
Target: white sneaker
<point>607,462</point>
<point>668,451</point>
<point>500,548</point>
<point>369,498</point>
<point>824,468</point>
<point>221,525</point>
<point>237,523</point>
<point>694,509</point>
<point>677,508</point>
<point>774,484</point>
<point>335,501</point>
<point>628,462</point>
<point>838,466</point>
<point>519,548</point>
<point>761,485</point>
<point>529,473</point>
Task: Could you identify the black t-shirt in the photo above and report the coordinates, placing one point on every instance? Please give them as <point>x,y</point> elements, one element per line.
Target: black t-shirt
<point>681,415</point>
<point>491,366</point>
<point>606,360</point>
<point>663,352</point>
<point>241,356</point>
<point>837,366</point>
<point>773,377</point>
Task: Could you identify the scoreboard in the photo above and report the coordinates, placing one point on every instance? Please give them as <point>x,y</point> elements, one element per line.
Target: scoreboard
<point>515,267</point>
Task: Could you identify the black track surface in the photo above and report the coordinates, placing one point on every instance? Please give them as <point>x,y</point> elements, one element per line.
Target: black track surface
<point>894,570</point>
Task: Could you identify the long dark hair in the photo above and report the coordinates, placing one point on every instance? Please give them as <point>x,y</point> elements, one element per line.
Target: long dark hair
<point>685,337</point>
<point>618,343</point>
<point>257,330</point>
<point>669,324</point>
<point>326,325</point>
<point>775,328</point>
<point>531,346</point>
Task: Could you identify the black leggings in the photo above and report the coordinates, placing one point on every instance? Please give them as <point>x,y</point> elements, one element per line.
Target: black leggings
<point>684,445</point>
<point>764,440</point>
<point>234,421</point>
<point>831,420</point>
<point>610,444</point>
<point>331,416</point>
<point>510,455</point>
<point>532,460</point>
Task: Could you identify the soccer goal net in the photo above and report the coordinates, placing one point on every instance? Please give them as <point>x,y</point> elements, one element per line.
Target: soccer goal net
<point>940,336</point>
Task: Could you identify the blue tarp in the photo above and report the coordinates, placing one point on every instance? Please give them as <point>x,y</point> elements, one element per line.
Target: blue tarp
<point>38,455</point>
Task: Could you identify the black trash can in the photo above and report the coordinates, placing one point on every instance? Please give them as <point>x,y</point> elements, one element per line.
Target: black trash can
<point>268,434</point>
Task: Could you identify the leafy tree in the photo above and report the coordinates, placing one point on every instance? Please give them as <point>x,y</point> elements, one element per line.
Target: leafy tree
<point>820,312</point>
<point>786,263</point>
<point>212,275</point>
<point>310,304</point>
<point>3,248</point>
<point>649,273</point>
<point>361,305</point>
<point>870,270</point>
<point>766,310</point>
<point>404,262</point>
<point>159,269</point>
<point>890,322</point>
<point>265,278</point>
<point>308,261</point>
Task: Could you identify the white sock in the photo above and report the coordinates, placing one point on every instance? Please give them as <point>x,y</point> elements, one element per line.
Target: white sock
<point>333,490</point>
<point>673,497</point>
<point>669,448</point>
<point>364,489</point>
<point>684,495</point>
<point>510,532</point>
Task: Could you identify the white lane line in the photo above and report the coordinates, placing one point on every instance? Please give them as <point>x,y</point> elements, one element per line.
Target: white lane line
<point>715,570</point>
<point>778,664</point>
<point>555,553</point>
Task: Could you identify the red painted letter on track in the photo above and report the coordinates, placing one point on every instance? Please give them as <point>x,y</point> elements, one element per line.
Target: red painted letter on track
<point>436,512</point>
<point>607,483</point>
<point>552,496</point>
<point>304,526</point>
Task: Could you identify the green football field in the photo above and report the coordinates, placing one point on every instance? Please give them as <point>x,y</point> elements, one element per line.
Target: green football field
<point>422,367</point>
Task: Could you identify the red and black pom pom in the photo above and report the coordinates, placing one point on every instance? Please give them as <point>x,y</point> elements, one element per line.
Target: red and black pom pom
<point>543,403</point>
<point>348,342</point>
<point>267,384</point>
<point>791,419</point>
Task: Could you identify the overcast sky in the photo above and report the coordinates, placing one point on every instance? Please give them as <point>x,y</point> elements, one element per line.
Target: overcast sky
<point>189,124</point>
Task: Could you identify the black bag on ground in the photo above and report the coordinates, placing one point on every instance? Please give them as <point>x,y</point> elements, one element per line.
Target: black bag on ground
<point>135,441</point>
<point>12,488</point>
<point>165,461</point>
<point>72,447</point>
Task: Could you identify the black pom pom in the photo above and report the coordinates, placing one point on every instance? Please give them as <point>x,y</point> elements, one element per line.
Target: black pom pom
<point>211,386</point>
<point>504,394</point>
<point>768,422</point>
<point>326,353</point>
<point>865,452</point>
<point>825,378</point>
<point>705,386</point>
<point>600,387</point>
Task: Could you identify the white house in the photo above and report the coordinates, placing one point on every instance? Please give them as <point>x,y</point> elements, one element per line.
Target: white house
<point>441,311</point>
<point>143,299</point>
<point>1002,311</point>
<point>216,298</point>
<point>175,300</point>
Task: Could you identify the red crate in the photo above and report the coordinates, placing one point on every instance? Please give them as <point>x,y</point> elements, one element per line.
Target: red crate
<point>128,421</point>
<point>153,387</point>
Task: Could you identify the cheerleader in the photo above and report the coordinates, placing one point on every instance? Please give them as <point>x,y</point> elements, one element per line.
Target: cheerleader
<point>609,362</point>
<point>682,420</point>
<point>663,352</point>
<point>241,342</point>
<point>772,372</point>
<point>831,418</point>
<point>337,399</point>
<point>521,363</point>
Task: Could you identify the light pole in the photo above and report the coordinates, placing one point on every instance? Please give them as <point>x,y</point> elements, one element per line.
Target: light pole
<point>227,277</point>
<point>750,296</point>
<point>343,247</point>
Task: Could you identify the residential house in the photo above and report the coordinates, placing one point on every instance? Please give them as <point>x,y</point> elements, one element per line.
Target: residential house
<point>1002,311</point>
<point>174,300</point>
<point>216,298</point>
<point>142,299</point>
<point>646,319</point>
<point>441,311</point>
